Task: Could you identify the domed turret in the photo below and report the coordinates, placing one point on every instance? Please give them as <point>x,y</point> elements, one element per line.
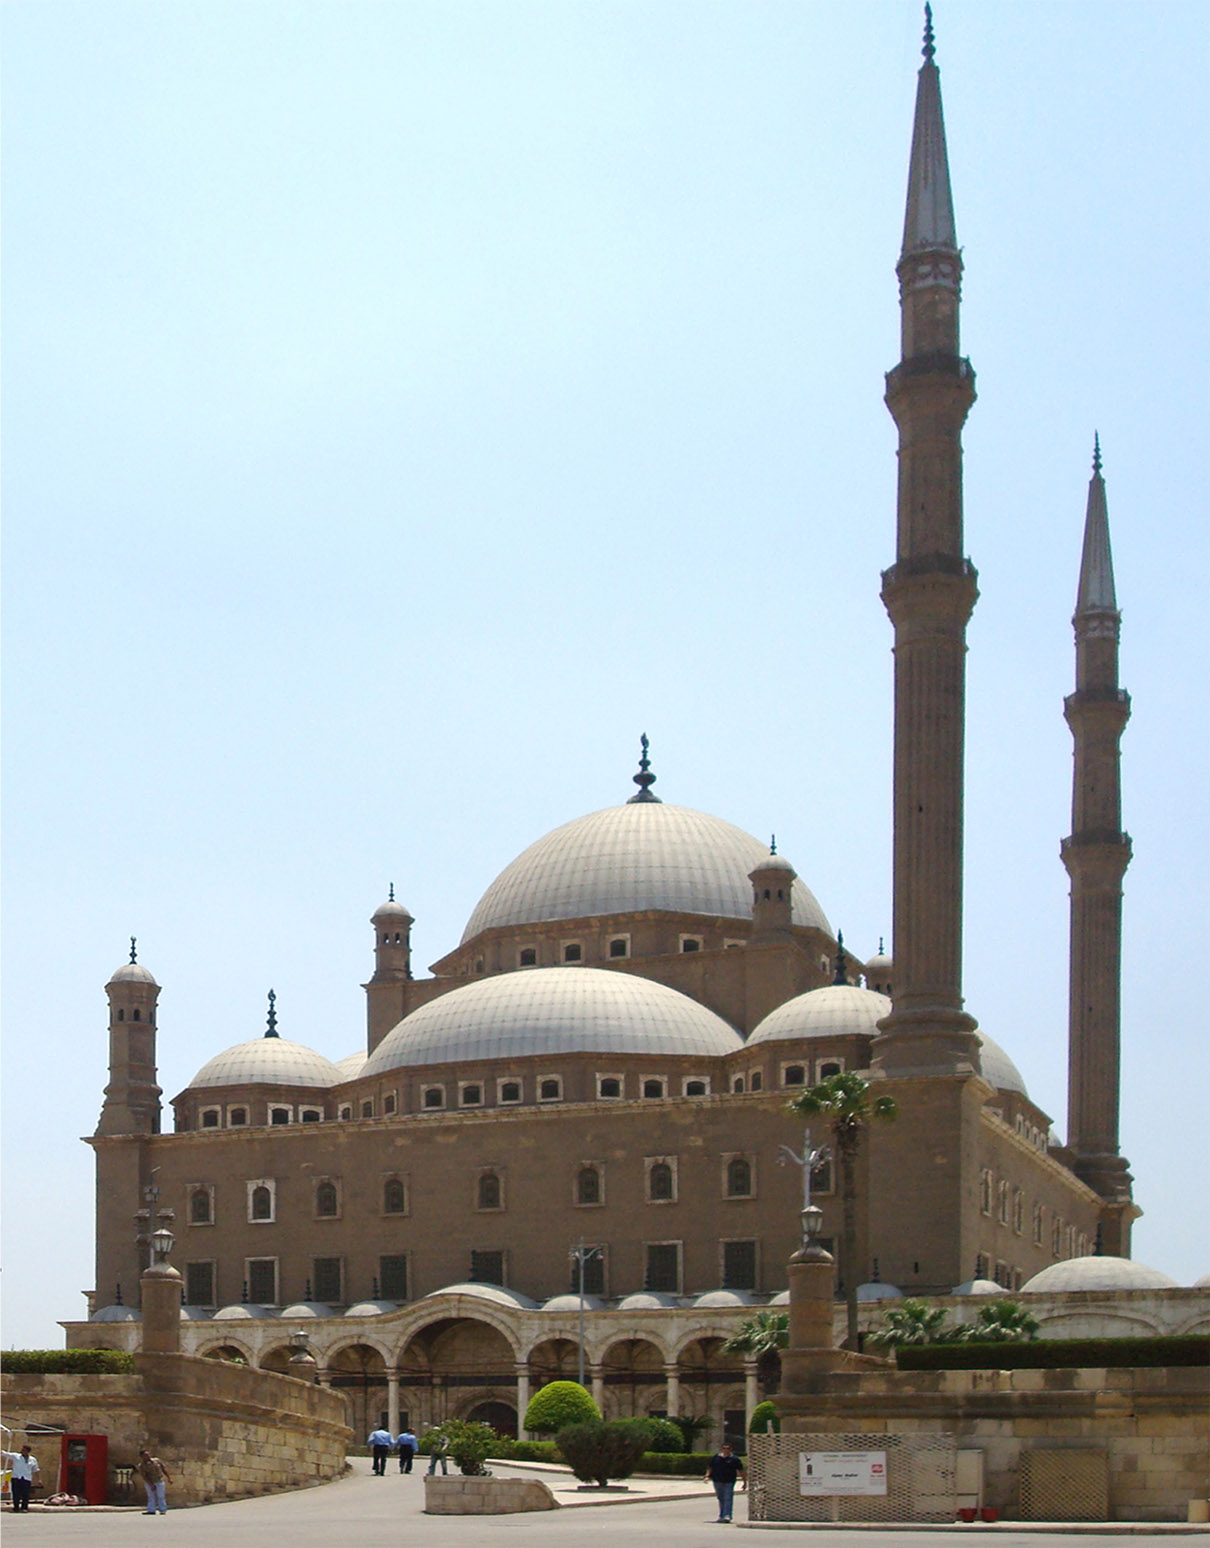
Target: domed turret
<point>132,1097</point>
<point>880,972</point>
<point>772,896</point>
<point>386,992</point>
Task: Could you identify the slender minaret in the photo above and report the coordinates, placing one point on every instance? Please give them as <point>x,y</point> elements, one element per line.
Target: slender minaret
<point>1096,856</point>
<point>132,1097</point>
<point>929,593</point>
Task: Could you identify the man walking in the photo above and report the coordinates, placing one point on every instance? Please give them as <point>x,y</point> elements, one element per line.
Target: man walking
<point>154,1474</point>
<point>406,1443</point>
<point>724,1468</point>
<point>441,1444</point>
<point>25,1470</point>
<point>380,1443</point>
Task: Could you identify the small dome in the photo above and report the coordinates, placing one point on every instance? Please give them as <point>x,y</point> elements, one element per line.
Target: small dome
<point>998,1069</point>
<point>773,865</point>
<point>196,1314</point>
<point>268,1061</point>
<point>876,1290</point>
<point>978,1287</point>
<point>350,1067</point>
<point>390,910</point>
<point>571,1303</point>
<point>300,1309</point>
<point>117,1314</point>
<point>628,859</point>
<point>496,1293</point>
<point>241,1312</point>
<point>133,973</point>
<point>782,1298</point>
<point>372,1308</point>
<point>556,1010</point>
<point>726,1298</point>
<point>837,1011</point>
<point>648,1300</point>
<point>1097,1273</point>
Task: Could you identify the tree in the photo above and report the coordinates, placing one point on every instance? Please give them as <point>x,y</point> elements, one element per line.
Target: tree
<point>762,1338</point>
<point>765,1418</point>
<point>597,1452</point>
<point>557,1404</point>
<point>1001,1322</point>
<point>843,1102</point>
<point>691,1426</point>
<point>915,1322</point>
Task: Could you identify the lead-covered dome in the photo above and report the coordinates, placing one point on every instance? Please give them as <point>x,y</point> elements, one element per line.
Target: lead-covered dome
<point>1098,1272</point>
<point>556,1010</point>
<point>836,1011</point>
<point>268,1061</point>
<point>626,859</point>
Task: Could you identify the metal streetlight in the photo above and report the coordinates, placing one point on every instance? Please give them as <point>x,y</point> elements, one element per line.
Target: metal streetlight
<point>580,1255</point>
<point>810,1214</point>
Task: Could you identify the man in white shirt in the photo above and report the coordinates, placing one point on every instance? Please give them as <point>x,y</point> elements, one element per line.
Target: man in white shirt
<point>25,1470</point>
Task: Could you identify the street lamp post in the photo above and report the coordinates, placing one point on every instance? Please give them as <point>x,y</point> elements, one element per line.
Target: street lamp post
<point>580,1255</point>
<point>810,1214</point>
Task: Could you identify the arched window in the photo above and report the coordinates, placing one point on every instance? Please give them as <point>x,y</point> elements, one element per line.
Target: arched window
<point>489,1191</point>
<point>695,1088</point>
<point>262,1203</point>
<point>796,1075</point>
<point>739,1178</point>
<point>210,1117</point>
<point>510,1091</point>
<point>588,1185</point>
<point>528,956</point>
<point>134,1015</point>
<point>550,1090</point>
<point>434,1096</point>
<point>237,1117</point>
<point>199,1206</point>
<point>388,1102</point>
<point>121,1014</point>
<point>757,1081</point>
<point>619,946</point>
<point>367,1109</point>
<point>394,1201</point>
<point>611,1086</point>
<point>653,1088</point>
<point>326,1199</point>
<point>659,1182</point>
<point>573,952</point>
<point>737,1085</point>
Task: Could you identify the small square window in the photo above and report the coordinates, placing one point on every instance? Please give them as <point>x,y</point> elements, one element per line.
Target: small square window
<point>470,1094</point>
<point>237,1117</point>
<point>654,1086</point>
<point>211,1117</point>
<point>794,1075</point>
<point>610,1087</point>
<point>829,1067</point>
<point>388,1103</point>
<point>573,951</point>
<point>279,1115</point>
<point>663,1267</point>
<point>527,956</point>
<point>619,946</point>
<point>691,943</point>
<point>508,1091</point>
<point>487,1268</point>
<point>550,1088</point>
<point>434,1096</point>
<point>696,1085</point>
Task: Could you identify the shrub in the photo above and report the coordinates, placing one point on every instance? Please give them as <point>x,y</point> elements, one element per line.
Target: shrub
<point>557,1405</point>
<point>688,1464</point>
<point>470,1445</point>
<point>691,1426</point>
<point>1056,1354</point>
<point>665,1436</point>
<point>524,1451</point>
<point>69,1362</point>
<point>597,1452</point>
<point>765,1417</point>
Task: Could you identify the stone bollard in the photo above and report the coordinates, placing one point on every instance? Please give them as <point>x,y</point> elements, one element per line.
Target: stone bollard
<point>160,1292</point>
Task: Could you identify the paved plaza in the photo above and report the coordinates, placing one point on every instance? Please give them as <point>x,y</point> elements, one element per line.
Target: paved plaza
<point>362,1511</point>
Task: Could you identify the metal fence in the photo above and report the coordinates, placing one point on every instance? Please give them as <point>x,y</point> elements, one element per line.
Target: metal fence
<point>920,1476</point>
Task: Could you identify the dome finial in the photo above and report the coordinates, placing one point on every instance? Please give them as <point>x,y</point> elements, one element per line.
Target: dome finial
<point>391,893</point>
<point>881,947</point>
<point>644,779</point>
<point>773,843</point>
<point>1096,451</point>
<point>929,48</point>
<point>272,1027</point>
<point>134,955</point>
<point>840,976</point>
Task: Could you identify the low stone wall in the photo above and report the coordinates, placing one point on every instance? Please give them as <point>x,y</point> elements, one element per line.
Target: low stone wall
<point>225,1432</point>
<point>1152,1426</point>
<point>485,1496</point>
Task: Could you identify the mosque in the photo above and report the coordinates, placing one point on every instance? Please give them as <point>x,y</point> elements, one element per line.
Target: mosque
<point>563,1144</point>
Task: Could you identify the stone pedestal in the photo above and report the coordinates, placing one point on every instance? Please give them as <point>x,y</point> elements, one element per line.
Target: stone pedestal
<point>160,1293</point>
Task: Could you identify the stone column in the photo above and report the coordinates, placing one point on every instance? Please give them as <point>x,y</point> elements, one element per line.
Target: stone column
<point>393,1403</point>
<point>160,1287</point>
<point>672,1399</point>
<point>597,1377</point>
<point>811,1345</point>
<point>522,1398</point>
<point>751,1391</point>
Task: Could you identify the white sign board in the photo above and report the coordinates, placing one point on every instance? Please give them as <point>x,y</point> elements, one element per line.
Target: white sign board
<point>842,1472</point>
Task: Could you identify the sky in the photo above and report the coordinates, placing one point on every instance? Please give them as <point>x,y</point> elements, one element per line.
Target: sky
<point>406,405</point>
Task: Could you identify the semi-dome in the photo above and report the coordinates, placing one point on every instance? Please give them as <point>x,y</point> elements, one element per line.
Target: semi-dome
<point>725,1298</point>
<point>372,1308</point>
<point>483,1292</point>
<point>627,859</point>
<point>838,1010</point>
<point>133,973</point>
<point>268,1061</point>
<point>878,1290</point>
<point>978,1287</point>
<point>117,1314</point>
<point>300,1309</point>
<point>648,1300</point>
<point>557,1010</point>
<point>242,1310</point>
<point>1097,1273</point>
<point>998,1069</point>
<point>571,1303</point>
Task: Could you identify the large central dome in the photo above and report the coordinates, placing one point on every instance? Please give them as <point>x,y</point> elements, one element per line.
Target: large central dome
<point>627,859</point>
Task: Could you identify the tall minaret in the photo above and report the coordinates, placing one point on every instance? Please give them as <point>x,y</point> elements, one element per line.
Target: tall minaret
<point>1096,856</point>
<point>929,593</point>
<point>132,1097</point>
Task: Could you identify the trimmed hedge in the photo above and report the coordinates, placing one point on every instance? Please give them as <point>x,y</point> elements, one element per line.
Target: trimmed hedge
<point>1055,1354</point>
<point>67,1362</point>
<point>692,1464</point>
<point>505,1450</point>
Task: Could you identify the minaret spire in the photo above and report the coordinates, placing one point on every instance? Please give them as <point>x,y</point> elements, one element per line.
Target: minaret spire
<point>929,593</point>
<point>1096,856</point>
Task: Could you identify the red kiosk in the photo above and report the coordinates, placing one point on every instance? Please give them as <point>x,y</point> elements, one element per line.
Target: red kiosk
<point>84,1467</point>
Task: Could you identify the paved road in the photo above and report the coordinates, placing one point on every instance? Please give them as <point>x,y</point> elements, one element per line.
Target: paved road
<point>361,1511</point>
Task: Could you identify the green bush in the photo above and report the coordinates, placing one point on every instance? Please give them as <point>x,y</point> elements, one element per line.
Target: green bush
<point>765,1417</point>
<point>597,1452</point>
<point>1055,1354</point>
<point>683,1464</point>
<point>524,1451</point>
<point>691,1427</point>
<point>558,1404</point>
<point>665,1436</point>
<point>470,1445</point>
<point>67,1362</point>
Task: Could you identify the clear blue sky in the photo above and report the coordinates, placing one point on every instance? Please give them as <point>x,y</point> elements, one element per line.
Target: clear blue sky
<point>408,404</point>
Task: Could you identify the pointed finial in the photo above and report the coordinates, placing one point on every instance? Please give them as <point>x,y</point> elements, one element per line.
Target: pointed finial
<point>881,948</point>
<point>773,843</point>
<point>272,1028</point>
<point>877,1275</point>
<point>1096,452</point>
<point>929,48</point>
<point>1098,1247</point>
<point>306,1289</point>
<point>840,976</point>
<point>117,1293</point>
<point>644,779</point>
<point>391,893</point>
<point>134,955</point>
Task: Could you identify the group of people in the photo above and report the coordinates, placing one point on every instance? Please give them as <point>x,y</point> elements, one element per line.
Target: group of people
<point>24,1470</point>
<point>405,1444</point>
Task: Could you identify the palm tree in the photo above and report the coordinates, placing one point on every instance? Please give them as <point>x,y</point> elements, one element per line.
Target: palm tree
<point>1003,1322</point>
<point>915,1322</point>
<point>762,1338</point>
<point>843,1101</point>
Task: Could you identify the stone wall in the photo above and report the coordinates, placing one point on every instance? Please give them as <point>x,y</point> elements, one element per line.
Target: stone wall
<point>1152,1425</point>
<point>225,1431</point>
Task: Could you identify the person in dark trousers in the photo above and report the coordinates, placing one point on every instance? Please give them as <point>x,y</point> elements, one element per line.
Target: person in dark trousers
<point>725,1467</point>
<point>379,1441</point>
<point>25,1472</point>
<point>406,1443</point>
<point>441,1445</point>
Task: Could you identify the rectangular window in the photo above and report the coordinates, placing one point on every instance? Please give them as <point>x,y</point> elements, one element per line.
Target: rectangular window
<point>739,1265</point>
<point>199,1284</point>
<point>663,1267</point>
<point>262,1281</point>
<point>393,1277</point>
<point>487,1268</point>
<point>594,1272</point>
<point>325,1280</point>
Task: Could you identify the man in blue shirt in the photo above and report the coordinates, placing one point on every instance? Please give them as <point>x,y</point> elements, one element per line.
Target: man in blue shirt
<point>725,1467</point>
<point>406,1443</point>
<point>380,1443</point>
